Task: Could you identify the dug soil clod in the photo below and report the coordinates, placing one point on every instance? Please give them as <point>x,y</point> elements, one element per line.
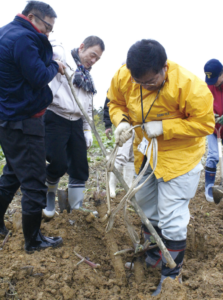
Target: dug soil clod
<point>139,270</point>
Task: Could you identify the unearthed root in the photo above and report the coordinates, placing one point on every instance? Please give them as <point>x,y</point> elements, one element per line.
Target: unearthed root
<point>90,263</point>
<point>112,246</point>
<point>139,270</point>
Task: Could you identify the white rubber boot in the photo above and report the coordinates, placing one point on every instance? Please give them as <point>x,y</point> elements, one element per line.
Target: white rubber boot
<point>113,180</point>
<point>76,197</point>
<point>129,172</point>
<point>49,210</point>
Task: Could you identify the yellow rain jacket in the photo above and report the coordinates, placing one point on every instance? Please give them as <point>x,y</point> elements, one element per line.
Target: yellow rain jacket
<point>185,107</point>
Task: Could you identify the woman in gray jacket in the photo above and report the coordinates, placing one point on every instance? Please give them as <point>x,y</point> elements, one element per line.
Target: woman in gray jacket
<point>68,135</point>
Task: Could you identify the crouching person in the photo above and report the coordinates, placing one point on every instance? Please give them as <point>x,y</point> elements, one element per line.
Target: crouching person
<point>68,135</point>
<point>26,68</point>
<point>176,107</point>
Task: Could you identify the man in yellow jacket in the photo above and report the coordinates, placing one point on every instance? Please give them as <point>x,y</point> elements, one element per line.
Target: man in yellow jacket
<point>176,107</point>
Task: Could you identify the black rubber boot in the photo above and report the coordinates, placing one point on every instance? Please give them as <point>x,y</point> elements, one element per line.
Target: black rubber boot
<point>153,256</point>
<point>34,239</point>
<point>177,250</point>
<point>3,207</point>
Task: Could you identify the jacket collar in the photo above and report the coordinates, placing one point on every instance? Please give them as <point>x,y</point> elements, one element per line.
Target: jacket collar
<point>25,18</point>
<point>29,25</point>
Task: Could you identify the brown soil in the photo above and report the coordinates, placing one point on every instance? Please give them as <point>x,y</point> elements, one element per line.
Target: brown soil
<point>54,274</point>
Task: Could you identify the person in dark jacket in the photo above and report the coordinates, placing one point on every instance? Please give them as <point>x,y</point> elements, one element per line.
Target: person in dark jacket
<point>107,120</point>
<point>214,78</point>
<point>26,68</point>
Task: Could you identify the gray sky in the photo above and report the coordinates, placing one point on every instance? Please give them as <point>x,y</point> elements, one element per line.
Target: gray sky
<point>189,30</point>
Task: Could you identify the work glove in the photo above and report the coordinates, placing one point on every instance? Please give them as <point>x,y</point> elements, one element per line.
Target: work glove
<point>153,129</point>
<point>88,138</point>
<point>108,132</point>
<point>121,136</point>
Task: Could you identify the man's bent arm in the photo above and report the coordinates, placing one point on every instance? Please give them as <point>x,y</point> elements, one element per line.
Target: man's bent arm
<point>117,106</point>
<point>32,67</point>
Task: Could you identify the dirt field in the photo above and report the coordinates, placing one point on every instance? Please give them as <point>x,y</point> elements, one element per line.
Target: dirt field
<point>54,273</point>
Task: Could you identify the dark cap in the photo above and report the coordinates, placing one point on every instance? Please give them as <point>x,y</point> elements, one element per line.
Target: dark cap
<point>212,69</point>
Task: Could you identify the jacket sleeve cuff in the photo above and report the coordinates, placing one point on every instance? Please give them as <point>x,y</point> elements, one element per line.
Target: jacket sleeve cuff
<point>86,126</point>
<point>120,117</point>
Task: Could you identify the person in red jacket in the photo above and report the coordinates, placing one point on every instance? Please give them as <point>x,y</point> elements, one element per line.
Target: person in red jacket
<point>214,78</point>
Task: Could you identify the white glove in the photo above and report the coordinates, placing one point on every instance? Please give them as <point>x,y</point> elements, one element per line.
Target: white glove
<point>154,128</point>
<point>121,136</point>
<point>88,138</point>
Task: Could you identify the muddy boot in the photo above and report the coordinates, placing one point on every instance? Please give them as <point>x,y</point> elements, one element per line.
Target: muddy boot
<point>153,256</point>
<point>76,189</point>
<point>3,207</point>
<point>177,250</point>
<point>49,210</point>
<point>76,197</point>
<point>210,174</point>
<point>113,180</point>
<point>129,172</point>
<point>34,239</point>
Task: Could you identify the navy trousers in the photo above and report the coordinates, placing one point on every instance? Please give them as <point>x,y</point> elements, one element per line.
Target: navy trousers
<point>24,147</point>
<point>66,149</point>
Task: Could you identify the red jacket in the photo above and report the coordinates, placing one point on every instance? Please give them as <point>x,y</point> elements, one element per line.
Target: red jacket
<point>217,93</point>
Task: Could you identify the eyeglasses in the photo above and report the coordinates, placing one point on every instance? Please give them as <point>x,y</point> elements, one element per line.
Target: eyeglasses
<point>49,28</point>
<point>144,83</point>
<point>141,83</point>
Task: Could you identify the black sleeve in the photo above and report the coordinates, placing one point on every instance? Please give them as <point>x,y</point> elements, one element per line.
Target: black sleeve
<point>106,117</point>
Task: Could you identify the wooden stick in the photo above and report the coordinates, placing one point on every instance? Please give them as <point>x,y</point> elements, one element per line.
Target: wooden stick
<point>137,208</point>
